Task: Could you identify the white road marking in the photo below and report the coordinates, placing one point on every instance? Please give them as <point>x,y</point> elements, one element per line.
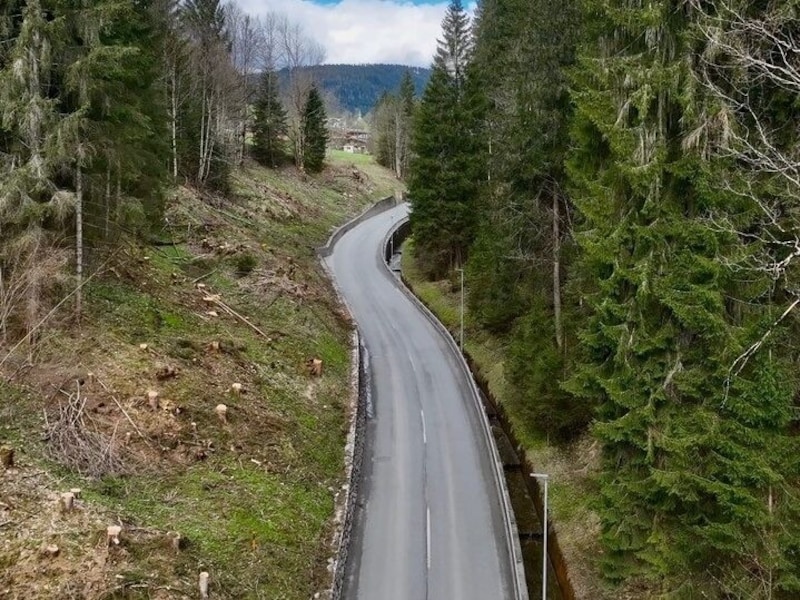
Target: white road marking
<point>424,430</point>
<point>428,538</point>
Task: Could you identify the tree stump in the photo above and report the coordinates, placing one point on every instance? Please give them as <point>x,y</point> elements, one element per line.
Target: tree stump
<point>7,457</point>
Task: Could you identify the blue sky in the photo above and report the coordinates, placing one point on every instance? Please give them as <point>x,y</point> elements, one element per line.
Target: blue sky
<point>365,31</point>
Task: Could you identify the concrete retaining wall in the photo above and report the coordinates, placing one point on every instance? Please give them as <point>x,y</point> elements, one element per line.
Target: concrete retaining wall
<point>377,208</point>
<point>534,488</point>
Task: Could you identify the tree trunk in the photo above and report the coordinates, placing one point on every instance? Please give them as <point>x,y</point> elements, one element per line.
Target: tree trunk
<point>398,145</point>
<point>106,224</point>
<point>174,119</point>
<point>79,240</point>
<point>557,274</point>
<point>203,127</point>
<point>3,310</point>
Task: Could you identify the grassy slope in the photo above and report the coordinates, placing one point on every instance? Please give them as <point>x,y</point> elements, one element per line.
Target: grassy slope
<point>253,498</point>
<point>571,469</point>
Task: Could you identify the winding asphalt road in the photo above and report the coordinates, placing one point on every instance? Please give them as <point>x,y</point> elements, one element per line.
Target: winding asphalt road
<point>431,524</point>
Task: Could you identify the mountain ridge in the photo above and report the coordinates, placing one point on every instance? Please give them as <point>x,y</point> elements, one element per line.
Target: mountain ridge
<point>359,87</point>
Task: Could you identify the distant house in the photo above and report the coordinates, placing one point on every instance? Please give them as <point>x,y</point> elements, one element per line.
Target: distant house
<point>353,141</point>
<point>361,135</point>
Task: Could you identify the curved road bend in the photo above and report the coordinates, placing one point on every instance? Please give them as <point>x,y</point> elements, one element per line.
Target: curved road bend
<point>430,526</point>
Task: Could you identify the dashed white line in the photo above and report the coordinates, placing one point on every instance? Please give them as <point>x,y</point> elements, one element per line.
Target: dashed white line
<point>428,537</point>
<point>424,429</point>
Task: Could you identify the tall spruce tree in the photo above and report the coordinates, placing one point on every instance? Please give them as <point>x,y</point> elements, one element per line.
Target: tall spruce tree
<point>270,127</point>
<point>392,122</point>
<point>442,181</point>
<point>384,130</point>
<point>315,132</point>
<point>691,457</point>
<point>518,263</point>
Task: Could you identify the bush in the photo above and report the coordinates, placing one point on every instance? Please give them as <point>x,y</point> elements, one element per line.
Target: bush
<point>245,264</point>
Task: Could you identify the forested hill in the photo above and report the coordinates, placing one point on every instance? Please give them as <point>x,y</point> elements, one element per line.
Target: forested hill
<point>358,87</point>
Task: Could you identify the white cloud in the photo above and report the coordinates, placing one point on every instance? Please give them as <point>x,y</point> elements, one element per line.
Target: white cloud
<point>364,31</point>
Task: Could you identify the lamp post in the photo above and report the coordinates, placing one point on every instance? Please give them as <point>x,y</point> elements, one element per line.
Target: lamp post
<point>461,330</point>
<point>544,477</point>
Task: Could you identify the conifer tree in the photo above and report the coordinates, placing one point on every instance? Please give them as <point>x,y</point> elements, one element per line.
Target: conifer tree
<point>517,269</point>
<point>403,116</point>
<point>384,127</point>
<point>270,126</point>
<point>392,122</point>
<point>315,132</point>
<point>690,456</point>
<point>442,179</point>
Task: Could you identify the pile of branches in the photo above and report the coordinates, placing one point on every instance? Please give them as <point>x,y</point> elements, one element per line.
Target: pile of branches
<point>75,440</point>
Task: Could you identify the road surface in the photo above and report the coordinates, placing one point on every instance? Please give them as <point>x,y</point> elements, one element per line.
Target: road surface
<point>430,526</point>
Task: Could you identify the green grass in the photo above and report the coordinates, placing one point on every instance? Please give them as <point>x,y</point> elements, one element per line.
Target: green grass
<point>342,157</point>
<point>257,533</point>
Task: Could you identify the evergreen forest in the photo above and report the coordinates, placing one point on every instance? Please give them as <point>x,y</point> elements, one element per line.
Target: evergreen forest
<point>620,182</point>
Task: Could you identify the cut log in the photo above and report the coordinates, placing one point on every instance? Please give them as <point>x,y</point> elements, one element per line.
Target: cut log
<point>166,372</point>
<point>315,367</point>
<point>176,540</point>
<point>152,399</point>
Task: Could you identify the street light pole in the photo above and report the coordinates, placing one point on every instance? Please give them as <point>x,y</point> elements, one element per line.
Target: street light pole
<point>544,477</point>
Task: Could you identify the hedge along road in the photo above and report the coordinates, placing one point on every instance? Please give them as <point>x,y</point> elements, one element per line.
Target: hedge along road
<point>430,524</point>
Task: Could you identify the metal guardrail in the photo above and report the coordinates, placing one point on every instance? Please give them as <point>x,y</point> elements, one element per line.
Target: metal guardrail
<point>512,536</point>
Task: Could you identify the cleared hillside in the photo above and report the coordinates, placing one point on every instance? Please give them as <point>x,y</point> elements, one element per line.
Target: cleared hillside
<point>227,308</point>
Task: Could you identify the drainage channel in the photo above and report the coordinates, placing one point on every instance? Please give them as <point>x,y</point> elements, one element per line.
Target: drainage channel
<point>528,518</point>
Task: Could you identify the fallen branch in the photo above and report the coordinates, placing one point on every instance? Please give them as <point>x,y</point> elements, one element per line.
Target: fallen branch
<point>242,318</point>
<point>206,276</point>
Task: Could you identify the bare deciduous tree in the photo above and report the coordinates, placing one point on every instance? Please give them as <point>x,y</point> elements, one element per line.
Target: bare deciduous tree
<point>750,60</point>
<point>298,50</point>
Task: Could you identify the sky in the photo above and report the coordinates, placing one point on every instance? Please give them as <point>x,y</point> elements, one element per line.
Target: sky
<point>365,31</point>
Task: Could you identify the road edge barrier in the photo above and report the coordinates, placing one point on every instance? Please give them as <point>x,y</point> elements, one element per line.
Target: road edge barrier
<point>395,237</point>
<point>346,499</point>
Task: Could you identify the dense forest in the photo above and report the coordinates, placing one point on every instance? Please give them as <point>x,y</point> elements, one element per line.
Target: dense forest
<point>356,88</point>
<point>621,182</point>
